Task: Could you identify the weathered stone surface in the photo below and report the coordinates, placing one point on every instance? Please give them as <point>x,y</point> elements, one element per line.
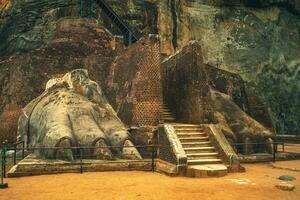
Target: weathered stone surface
<point>73,111</point>
<point>251,40</point>
<point>196,94</point>
<point>27,25</point>
<point>9,120</point>
<point>285,186</point>
<point>129,78</point>
<point>205,171</point>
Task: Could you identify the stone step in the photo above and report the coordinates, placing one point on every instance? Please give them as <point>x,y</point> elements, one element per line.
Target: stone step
<point>192,150</point>
<point>186,135</point>
<point>167,115</point>
<point>204,171</point>
<point>202,154</point>
<point>195,156</point>
<point>164,108</point>
<point>196,144</point>
<point>193,139</point>
<point>189,128</point>
<point>188,131</point>
<point>166,112</point>
<point>177,125</point>
<point>204,161</point>
<point>168,118</point>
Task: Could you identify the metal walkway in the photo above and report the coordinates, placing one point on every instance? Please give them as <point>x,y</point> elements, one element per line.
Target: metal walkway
<point>130,35</point>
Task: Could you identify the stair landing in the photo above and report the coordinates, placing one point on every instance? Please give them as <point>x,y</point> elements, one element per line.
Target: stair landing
<point>206,170</point>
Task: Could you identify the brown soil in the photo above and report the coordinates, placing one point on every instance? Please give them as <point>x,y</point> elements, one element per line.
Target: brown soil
<point>257,183</point>
<point>292,148</point>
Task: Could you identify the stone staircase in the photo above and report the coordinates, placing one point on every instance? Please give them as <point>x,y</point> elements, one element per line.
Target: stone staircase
<point>202,158</point>
<point>166,116</point>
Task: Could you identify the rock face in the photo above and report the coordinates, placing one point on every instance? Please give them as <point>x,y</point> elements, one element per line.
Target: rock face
<point>201,94</point>
<point>73,111</point>
<point>130,78</point>
<point>27,25</point>
<point>255,39</point>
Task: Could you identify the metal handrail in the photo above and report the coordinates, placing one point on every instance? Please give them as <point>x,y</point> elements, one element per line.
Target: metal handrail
<point>109,11</point>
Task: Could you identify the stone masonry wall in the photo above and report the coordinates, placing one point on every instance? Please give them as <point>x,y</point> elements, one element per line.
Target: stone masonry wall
<point>185,87</point>
<point>134,84</point>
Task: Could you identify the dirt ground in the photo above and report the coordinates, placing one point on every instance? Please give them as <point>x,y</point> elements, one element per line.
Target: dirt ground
<point>292,148</point>
<point>257,183</point>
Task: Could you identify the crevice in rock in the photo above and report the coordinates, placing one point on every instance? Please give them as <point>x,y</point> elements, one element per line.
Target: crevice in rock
<point>174,20</point>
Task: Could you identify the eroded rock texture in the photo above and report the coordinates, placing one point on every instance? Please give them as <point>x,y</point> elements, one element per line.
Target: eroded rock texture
<point>27,25</point>
<point>129,77</point>
<point>201,94</point>
<point>258,40</point>
<point>73,111</point>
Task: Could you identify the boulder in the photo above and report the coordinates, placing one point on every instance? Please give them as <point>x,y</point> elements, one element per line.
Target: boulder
<point>285,186</point>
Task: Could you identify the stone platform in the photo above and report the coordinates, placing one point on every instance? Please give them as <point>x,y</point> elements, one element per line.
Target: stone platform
<point>34,166</point>
<point>265,157</point>
<point>204,171</point>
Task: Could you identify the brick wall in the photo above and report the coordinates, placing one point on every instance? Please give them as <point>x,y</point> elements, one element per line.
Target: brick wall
<point>134,84</point>
<point>185,87</point>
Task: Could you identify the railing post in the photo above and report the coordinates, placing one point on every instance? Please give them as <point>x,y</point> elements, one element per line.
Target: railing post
<point>283,146</point>
<point>90,8</point>
<point>152,158</point>
<point>4,149</point>
<point>23,149</point>
<point>15,154</point>
<point>274,152</point>
<point>130,38</point>
<point>3,154</point>
<point>81,7</point>
<point>80,154</point>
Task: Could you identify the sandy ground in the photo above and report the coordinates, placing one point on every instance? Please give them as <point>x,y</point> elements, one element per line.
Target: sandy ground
<point>292,148</point>
<point>257,183</point>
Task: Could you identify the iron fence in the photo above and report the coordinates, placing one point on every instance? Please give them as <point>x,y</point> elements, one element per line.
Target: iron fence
<point>13,154</point>
<point>273,148</point>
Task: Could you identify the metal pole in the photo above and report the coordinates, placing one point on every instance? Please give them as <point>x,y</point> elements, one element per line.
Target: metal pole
<point>129,39</point>
<point>2,164</point>
<point>152,156</point>
<point>274,152</point>
<point>15,154</point>
<point>4,160</point>
<point>81,7</point>
<point>91,9</point>
<point>80,154</point>
<point>23,149</point>
<point>3,155</point>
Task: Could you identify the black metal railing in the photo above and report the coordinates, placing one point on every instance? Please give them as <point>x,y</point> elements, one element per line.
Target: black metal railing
<point>130,35</point>
<point>272,148</point>
<point>80,154</point>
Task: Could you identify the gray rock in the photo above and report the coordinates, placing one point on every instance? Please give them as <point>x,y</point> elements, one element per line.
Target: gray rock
<point>285,186</point>
<point>286,178</point>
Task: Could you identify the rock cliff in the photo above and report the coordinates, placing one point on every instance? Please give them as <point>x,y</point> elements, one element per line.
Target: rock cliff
<point>257,39</point>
